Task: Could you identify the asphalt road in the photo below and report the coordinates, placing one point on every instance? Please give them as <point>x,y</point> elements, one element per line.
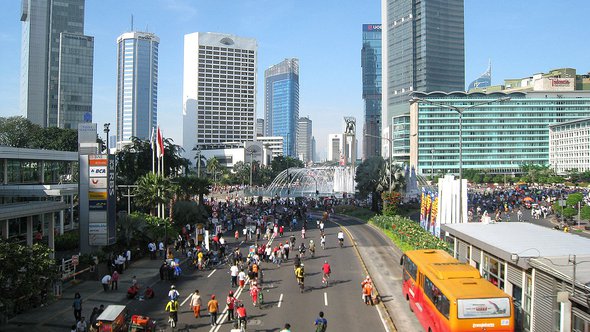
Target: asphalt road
<point>341,301</point>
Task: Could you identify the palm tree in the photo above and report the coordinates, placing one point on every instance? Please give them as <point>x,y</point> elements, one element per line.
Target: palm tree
<point>189,186</point>
<point>152,190</point>
<point>213,166</point>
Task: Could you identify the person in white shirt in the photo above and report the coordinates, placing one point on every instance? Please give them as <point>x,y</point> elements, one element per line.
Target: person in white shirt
<point>161,249</point>
<point>106,282</point>
<point>242,278</point>
<point>234,271</point>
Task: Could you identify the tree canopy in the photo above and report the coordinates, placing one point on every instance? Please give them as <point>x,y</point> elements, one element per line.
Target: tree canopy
<point>19,132</point>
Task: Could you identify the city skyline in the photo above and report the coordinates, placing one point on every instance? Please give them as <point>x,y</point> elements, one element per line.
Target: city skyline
<point>328,47</point>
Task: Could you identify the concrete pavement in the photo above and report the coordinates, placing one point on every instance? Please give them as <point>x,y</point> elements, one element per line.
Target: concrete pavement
<point>59,315</point>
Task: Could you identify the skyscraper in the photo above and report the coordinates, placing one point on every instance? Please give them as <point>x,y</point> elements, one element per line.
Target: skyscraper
<point>304,136</point>
<point>56,63</point>
<point>259,127</point>
<point>219,89</point>
<point>484,80</point>
<point>371,69</point>
<point>137,86</point>
<point>281,102</point>
<point>423,50</point>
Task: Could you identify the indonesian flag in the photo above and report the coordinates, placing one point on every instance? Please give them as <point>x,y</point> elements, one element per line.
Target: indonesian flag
<point>160,143</point>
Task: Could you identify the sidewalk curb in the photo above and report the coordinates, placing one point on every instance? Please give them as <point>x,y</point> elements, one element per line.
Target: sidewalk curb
<point>389,320</point>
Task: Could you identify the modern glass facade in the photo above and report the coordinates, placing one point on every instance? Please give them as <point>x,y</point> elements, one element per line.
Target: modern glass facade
<point>423,50</point>
<point>483,81</point>
<point>497,138</point>
<point>371,71</point>
<point>56,79</point>
<point>137,86</point>
<point>76,57</point>
<point>401,135</point>
<point>281,103</point>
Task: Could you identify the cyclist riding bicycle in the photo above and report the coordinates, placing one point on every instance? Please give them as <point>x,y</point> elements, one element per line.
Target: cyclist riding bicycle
<point>302,249</point>
<point>242,317</point>
<point>300,275</point>
<point>341,238</point>
<point>312,248</point>
<point>323,241</point>
<point>326,270</point>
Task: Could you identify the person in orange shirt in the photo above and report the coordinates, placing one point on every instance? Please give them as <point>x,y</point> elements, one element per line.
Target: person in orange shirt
<point>213,308</point>
<point>368,293</point>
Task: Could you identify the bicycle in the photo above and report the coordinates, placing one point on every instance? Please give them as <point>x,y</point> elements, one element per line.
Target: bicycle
<point>341,243</point>
<point>301,284</point>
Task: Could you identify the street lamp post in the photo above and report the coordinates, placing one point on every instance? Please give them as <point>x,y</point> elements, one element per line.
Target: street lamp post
<point>460,111</point>
<point>390,156</point>
<point>251,150</point>
<point>107,130</point>
<point>198,149</point>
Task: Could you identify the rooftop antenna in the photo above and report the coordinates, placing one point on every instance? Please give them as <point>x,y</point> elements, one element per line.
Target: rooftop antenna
<point>131,22</point>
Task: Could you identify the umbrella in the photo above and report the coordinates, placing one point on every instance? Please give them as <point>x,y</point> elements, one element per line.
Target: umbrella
<point>528,199</point>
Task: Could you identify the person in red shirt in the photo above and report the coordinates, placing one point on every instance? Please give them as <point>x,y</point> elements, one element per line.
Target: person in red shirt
<point>242,316</point>
<point>326,270</point>
<point>254,293</point>
<point>231,302</point>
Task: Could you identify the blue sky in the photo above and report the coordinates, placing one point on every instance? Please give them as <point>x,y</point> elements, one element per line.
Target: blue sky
<point>520,37</point>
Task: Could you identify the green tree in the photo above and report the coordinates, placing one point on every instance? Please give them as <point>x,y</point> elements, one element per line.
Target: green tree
<point>189,186</point>
<point>585,212</point>
<point>368,178</point>
<point>130,227</point>
<point>213,166</point>
<point>569,212</point>
<point>17,131</point>
<point>574,198</point>
<point>25,271</point>
<point>152,190</point>
<point>189,213</point>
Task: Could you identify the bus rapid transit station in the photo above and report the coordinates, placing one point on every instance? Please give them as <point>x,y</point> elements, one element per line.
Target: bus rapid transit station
<point>447,295</point>
<point>546,271</point>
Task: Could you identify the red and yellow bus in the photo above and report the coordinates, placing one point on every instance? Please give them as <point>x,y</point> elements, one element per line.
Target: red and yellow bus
<point>447,295</point>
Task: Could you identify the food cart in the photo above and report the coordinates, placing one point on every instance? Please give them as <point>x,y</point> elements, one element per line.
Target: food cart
<point>113,319</point>
<point>142,324</point>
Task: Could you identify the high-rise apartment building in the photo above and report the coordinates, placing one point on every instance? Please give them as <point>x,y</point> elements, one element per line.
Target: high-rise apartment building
<point>259,127</point>
<point>219,89</point>
<point>371,71</point>
<point>304,136</point>
<point>281,102</point>
<point>423,50</point>
<point>335,148</point>
<point>56,63</point>
<point>137,86</point>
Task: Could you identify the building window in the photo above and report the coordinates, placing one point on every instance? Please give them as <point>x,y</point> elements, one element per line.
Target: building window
<point>580,321</point>
<point>493,271</point>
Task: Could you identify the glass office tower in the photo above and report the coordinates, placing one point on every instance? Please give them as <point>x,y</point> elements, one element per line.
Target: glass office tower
<point>137,86</point>
<point>281,103</point>
<point>56,63</point>
<point>423,50</point>
<point>371,71</point>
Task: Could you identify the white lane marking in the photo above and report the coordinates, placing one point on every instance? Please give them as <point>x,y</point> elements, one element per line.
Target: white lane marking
<point>325,299</point>
<point>382,319</point>
<point>280,300</point>
<point>223,316</point>
<point>188,297</point>
<point>210,274</point>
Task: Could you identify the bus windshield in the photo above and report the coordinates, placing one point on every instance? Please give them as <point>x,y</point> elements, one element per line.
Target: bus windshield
<point>483,308</point>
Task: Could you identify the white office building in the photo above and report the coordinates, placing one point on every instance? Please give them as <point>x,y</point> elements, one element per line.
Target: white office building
<point>137,86</point>
<point>335,149</point>
<point>569,146</point>
<point>219,90</point>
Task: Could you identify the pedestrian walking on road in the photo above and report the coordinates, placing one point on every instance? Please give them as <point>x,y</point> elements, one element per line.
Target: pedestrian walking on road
<point>213,308</point>
<point>195,303</point>
<point>242,278</point>
<point>234,271</point>
<point>231,303</point>
<point>287,328</point>
<point>115,281</point>
<point>77,305</point>
<point>368,293</point>
<point>321,324</point>
<point>82,326</point>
